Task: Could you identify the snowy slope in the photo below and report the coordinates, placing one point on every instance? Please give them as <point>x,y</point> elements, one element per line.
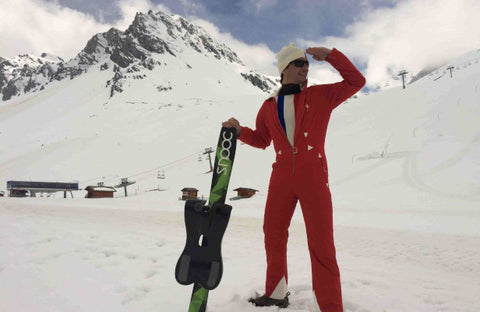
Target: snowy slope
<point>429,135</point>
<point>404,174</point>
<point>120,255</point>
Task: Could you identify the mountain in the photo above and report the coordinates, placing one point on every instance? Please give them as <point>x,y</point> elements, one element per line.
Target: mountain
<point>152,41</point>
<point>146,100</point>
<point>422,138</point>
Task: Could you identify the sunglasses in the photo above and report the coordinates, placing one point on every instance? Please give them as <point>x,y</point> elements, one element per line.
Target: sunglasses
<point>300,63</point>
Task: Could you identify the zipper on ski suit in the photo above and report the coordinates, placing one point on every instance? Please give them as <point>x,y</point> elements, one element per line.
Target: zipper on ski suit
<point>294,147</point>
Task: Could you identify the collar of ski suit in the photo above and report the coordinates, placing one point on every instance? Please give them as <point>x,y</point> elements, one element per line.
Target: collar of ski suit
<point>288,89</point>
<point>300,89</point>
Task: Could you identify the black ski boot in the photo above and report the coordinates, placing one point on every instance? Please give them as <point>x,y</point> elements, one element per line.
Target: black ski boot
<point>265,301</point>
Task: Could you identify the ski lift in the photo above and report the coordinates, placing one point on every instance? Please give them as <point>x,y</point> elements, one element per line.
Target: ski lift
<point>200,157</point>
<point>161,175</point>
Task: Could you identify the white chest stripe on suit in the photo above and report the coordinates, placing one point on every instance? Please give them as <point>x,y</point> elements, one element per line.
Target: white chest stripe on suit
<point>289,115</point>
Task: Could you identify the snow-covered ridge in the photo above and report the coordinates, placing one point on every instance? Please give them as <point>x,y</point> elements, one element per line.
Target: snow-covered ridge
<point>28,73</point>
<point>460,63</point>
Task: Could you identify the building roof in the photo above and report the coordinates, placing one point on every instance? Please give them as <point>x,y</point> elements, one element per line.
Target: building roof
<point>101,188</point>
<point>245,189</point>
<point>189,189</point>
<point>41,186</point>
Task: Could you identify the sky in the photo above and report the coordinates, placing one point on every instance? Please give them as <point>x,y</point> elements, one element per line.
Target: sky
<point>381,37</point>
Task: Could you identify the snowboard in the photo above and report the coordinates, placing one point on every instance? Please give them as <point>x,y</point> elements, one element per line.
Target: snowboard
<point>201,260</point>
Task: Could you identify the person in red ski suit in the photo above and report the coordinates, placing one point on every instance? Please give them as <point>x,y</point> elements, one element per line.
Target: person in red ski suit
<point>296,120</point>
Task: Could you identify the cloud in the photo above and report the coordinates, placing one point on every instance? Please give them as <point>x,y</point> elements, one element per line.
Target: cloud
<point>30,26</point>
<point>260,5</point>
<point>411,36</point>
<point>36,26</point>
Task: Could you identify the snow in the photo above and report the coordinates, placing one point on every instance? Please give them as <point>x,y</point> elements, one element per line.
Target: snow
<point>111,255</point>
<point>404,175</point>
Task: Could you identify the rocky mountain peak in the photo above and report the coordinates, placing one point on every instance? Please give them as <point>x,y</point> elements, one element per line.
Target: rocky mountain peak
<point>160,32</point>
<point>153,33</point>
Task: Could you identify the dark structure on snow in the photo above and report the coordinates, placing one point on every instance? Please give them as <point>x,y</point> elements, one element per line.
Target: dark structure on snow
<point>31,188</point>
<point>100,191</point>
<point>189,193</point>
<point>243,192</point>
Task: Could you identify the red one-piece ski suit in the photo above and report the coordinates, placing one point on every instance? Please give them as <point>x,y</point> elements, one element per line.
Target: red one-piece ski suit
<point>300,174</point>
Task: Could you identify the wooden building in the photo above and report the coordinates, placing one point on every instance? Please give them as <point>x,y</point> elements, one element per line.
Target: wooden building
<point>100,191</point>
<point>189,193</point>
<point>243,192</point>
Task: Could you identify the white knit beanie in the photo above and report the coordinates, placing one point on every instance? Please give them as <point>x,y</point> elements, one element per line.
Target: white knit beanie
<point>287,54</point>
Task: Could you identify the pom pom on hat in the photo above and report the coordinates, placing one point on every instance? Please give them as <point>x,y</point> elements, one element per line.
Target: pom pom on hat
<point>287,54</point>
